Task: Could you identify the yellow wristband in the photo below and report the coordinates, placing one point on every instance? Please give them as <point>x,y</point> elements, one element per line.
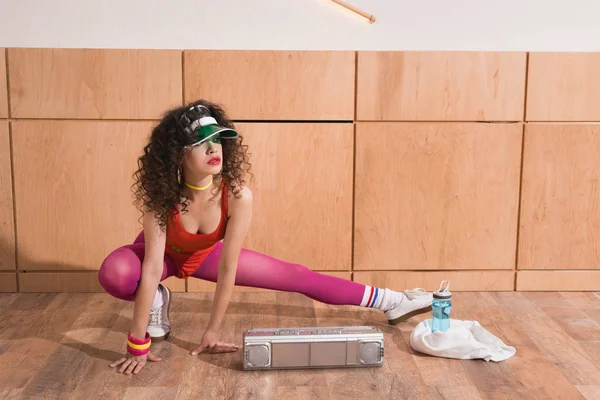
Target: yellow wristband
<point>138,346</point>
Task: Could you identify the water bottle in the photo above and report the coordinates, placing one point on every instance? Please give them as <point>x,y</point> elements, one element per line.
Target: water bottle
<point>441,307</point>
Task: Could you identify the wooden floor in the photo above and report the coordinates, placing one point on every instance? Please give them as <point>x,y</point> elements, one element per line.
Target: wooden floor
<point>59,346</point>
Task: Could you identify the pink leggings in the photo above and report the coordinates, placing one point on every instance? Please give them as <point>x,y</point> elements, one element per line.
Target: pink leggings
<point>120,273</point>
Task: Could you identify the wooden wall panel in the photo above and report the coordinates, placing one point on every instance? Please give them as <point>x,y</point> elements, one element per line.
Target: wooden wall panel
<point>7,226</point>
<point>8,282</point>
<point>563,87</point>
<point>93,83</point>
<point>303,192</point>
<point>199,285</point>
<point>281,85</point>
<point>79,282</point>
<point>560,201</point>
<point>72,189</point>
<point>175,284</point>
<point>449,86</point>
<point>430,280</point>
<point>3,85</point>
<point>558,280</point>
<point>436,196</point>
<point>434,200</point>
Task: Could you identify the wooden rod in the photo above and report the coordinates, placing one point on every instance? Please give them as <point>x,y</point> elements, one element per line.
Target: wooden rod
<point>370,18</point>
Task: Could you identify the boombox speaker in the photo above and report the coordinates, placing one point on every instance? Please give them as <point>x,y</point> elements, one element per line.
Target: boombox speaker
<point>330,347</point>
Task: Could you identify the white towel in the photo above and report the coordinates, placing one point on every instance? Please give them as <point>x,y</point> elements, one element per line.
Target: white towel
<point>463,340</point>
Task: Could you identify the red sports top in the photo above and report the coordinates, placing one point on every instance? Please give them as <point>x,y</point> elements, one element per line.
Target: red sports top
<point>189,250</point>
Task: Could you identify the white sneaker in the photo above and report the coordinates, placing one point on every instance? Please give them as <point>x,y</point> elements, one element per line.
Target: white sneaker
<point>159,326</point>
<point>414,302</point>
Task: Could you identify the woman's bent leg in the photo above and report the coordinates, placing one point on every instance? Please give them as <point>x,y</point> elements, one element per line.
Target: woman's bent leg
<point>121,271</point>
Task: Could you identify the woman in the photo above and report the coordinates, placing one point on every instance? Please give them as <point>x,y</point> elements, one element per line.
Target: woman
<point>196,212</point>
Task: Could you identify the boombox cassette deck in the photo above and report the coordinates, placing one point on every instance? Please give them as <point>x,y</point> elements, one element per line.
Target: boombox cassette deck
<point>312,347</point>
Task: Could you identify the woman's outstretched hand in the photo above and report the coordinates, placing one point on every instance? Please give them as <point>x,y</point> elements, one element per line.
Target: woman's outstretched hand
<point>131,363</point>
<point>210,344</point>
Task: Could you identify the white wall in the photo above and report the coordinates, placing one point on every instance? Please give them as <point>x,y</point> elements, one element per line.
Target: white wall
<point>533,25</point>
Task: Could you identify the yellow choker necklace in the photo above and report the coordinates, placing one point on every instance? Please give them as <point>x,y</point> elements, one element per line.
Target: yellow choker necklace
<point>199,188</point>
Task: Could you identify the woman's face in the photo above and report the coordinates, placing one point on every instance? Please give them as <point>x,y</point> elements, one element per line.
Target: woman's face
<point>205,158</point>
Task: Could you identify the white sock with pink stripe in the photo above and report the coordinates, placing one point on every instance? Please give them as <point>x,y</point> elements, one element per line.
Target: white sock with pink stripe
<point>383,299</point>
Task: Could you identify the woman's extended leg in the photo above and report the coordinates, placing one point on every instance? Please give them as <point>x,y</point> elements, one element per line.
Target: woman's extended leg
<point>262,271</point>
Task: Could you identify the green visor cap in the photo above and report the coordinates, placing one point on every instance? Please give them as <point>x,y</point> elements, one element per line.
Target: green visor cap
<point>206,132</point>
<point>201,126</point>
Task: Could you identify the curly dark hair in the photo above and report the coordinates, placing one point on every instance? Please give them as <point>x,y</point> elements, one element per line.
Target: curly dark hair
<point>156,185</point>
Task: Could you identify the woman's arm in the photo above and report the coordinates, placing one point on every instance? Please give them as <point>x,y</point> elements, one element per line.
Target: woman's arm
<point>237,229</point>
<point>152,269</point>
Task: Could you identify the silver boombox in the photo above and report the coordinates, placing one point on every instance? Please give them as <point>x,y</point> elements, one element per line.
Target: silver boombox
<point>329,347</point>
